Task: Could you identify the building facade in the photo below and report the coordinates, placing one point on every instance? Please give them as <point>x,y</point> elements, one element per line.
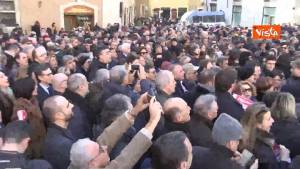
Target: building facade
<point>255,12</point>
<point>65,13</point>
<point>168,9</point>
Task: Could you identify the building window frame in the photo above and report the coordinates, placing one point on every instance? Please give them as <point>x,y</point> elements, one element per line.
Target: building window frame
<point>236,15</point>
<point>213,7</point>
<point>268,15</point>
<point>9,13</point>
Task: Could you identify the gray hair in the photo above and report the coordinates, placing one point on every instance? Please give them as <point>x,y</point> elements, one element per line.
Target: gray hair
<point>124,45</point>
<point>163,79</point>
<point>117,74</point>
<point>79,155</point>
<point>203,104</point>
<point>102,75</point>
<point>75,80</point>
<point>66,58</point>
<point>284,107</point>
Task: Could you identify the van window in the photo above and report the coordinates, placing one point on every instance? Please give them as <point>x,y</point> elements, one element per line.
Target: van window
<point>197,19</point>
<point>220,18</point>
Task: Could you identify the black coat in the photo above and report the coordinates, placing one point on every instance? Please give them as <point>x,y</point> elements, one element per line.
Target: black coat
<point>217,157</point>
<point>287,133</point>
<point>57,146</point>
<point>96,65</point>
<point>293,86</point>
<point>264,153</point>
<point>192,96</point>
<point>227,104</point>
<point>11,159</point>
<point>200,130</point>
<point>179,90</point>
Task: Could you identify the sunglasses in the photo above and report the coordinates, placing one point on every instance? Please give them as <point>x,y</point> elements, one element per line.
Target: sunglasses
<point>246,90</point>
<point>142,53</point>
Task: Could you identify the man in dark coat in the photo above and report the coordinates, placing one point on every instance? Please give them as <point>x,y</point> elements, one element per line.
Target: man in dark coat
<point>44,76</point>
<point>224,83</point>
<point>59,139</point>
<point>180,89</point>
<point>293,83</point>
<point>102,60</point>
<point>177,115</point>
<point>81,124</point>
<point>165,84</point>
<point>205,85</point>
<point>16,135</point>
<point>205,111</point>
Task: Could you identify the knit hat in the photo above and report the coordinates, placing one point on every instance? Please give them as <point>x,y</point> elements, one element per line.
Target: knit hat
<point>226,129</point>
<point>245,72</point>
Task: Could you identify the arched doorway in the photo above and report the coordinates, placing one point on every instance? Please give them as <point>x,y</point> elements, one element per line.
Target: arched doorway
<point>78,15</point>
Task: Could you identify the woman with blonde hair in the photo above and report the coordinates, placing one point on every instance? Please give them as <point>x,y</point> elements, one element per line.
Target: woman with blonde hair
<point>286,127</point>
<point>258,139</point>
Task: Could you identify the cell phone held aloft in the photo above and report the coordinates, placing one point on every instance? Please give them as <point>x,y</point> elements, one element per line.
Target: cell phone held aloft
<point>151,93</point>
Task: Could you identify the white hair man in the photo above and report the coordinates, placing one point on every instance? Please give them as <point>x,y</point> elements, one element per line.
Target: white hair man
<point>205,111</point>
<point>165,84</point>
<point>78,88</point>
<point>59,83</point>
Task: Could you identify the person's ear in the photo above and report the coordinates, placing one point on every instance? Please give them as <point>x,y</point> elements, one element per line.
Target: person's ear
<point>210,115</point>
<point>183,165</point>
<point>25,143</point>
<point>178,118</point>
<point>59,116</point>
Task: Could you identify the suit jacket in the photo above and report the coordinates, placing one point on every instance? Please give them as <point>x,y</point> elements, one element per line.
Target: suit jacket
<point>131,153</point>
<point>43,95</point>
<point>179,91</point>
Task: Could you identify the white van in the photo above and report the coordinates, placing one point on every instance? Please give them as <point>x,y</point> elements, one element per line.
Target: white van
<point>203,17</point>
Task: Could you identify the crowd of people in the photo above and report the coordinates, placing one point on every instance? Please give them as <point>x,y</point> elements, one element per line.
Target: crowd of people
<point>157,96</point>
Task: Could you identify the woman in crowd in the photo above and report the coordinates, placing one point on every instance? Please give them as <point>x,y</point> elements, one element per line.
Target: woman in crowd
<point>286,127</point>
<point>6,101</point>
<point>257,138</point>
<point>245,93</point>
<point>263,85</point>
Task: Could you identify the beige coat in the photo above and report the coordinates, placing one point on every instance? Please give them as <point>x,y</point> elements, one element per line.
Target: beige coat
<point>131,153</point>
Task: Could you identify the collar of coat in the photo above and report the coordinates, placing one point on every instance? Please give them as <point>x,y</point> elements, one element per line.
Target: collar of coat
<point>222,151</point>
<point>265,137</point>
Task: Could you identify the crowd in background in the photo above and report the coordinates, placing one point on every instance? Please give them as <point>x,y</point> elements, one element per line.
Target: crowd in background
<point>161,96</point>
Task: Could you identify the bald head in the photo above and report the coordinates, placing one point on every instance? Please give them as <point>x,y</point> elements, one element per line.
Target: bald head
<point>177,110</point>
<point>59,82</point>
<point>53,105</point>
